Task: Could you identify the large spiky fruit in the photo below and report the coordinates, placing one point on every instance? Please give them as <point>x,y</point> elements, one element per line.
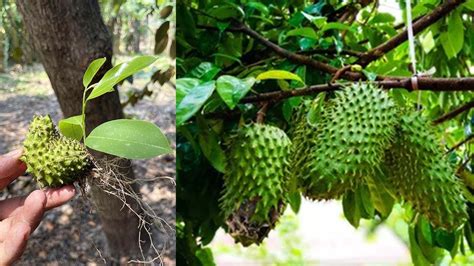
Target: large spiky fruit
<point>255,183</point>
<point>419,172</point>
<point>304,135</point>
<point>353,132</point>
<point>52,159</point>
<point>303,139</point>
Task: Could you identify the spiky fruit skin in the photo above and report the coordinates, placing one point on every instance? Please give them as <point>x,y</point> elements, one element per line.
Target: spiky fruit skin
<point>354,129</point>
<point>255,180</point>
<point>418,172</point>
<point>52,159</point>
<point>304,137</point>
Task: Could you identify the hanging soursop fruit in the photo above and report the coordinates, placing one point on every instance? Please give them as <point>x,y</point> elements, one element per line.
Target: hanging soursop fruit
<point>418,172</point>
<point>353,132</point>
<point>52,159</point>
<point>303,139</point>
<point>255,184</point>
<point>304,134</point>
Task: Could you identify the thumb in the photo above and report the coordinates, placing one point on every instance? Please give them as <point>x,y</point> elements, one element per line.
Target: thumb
<point>10,167</point>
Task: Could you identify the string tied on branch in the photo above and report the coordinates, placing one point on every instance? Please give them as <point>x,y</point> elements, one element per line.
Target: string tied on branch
<point>411,47</point>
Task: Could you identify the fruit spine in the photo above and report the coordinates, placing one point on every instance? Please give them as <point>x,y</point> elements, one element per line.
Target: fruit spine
<point>354,129</point>
<point>255,183</point>
<point>418,172</point>
<point>51,158</point>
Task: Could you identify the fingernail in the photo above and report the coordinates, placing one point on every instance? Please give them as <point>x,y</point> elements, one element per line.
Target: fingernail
<point>14,153</point>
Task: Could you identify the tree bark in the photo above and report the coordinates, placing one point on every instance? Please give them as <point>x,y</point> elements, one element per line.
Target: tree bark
<point>136,36</point>
<point>68,35</point>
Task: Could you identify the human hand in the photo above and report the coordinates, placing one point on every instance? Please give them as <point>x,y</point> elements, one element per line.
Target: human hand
<point>20,216</point>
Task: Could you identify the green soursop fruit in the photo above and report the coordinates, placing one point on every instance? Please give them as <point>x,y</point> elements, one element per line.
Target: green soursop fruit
<point>353,132</point>
<point>303,139</point>
<point>52,159</point>
<point>255,184</point>
<point>304,135</point>
<point>419,173</point>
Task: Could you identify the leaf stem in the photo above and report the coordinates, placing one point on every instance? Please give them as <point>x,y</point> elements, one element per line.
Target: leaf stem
<point>83,115</point>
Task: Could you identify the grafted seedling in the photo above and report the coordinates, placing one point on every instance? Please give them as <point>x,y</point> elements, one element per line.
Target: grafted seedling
<point>57,158</point>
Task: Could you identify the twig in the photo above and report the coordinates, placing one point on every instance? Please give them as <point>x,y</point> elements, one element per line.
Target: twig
<point>454,113</point>
<point>339,73</point>
<point>430,84</point>
<point>262,113</point>
<point>401,37</point>
<point>466,140</point>
<point>297,58</point>
<point>332,51</point>
<point>420,24</point>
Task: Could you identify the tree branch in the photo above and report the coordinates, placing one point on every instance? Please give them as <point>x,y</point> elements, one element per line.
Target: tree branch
<point>365,58</point>
<point>262,113</point>
<point>466,140</point>
<point>454,113</point>
<point>401,37</point>
<point>430,84</point>
<point>332,51</point>
<point>297,58</point>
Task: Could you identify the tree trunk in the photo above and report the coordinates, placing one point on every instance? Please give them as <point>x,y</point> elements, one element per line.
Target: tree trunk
<point>67,36</point>
<point>136,36</point>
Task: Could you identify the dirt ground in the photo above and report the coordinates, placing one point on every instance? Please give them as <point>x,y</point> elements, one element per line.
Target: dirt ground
<point>71,234</point>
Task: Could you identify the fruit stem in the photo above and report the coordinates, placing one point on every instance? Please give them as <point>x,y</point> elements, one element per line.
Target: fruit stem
<point>262,113</point>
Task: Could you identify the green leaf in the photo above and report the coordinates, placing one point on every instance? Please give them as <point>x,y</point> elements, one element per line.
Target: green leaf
<point>193,101</point>
<point>351,209</point>
<point>71,127</point>
<point>444,239</point>
<point>427,42</point>
<point>205,71</point>
<point>468,235</point>
<point>232,89</point>
<point>131,139</point>
<point>452,40</point>
<point>279,74</point>
<point>227,11</point>
<point>417,256</point>
<point>119,73</point>
<point>370,75</point>
<point>469,5</point>
<point>258,6</point>
<point>205,257</point>
<point>226,56</point>
<point>184,86</point>
<point>318,21</point>
<point>210,146</point>
<point>92,70</point>
<point>367,210</point>
<point>383,202</point>
<point>382,18</point>
<point>423,236</point>
<point>336,26</point>
<point>304,32</point>
<point>295,201</point>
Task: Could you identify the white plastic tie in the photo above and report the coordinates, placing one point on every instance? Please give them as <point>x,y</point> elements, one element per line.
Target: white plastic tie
<point>411,47</point>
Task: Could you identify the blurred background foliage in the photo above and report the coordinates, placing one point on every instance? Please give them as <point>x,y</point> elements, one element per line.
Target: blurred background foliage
<point>137,27</point>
